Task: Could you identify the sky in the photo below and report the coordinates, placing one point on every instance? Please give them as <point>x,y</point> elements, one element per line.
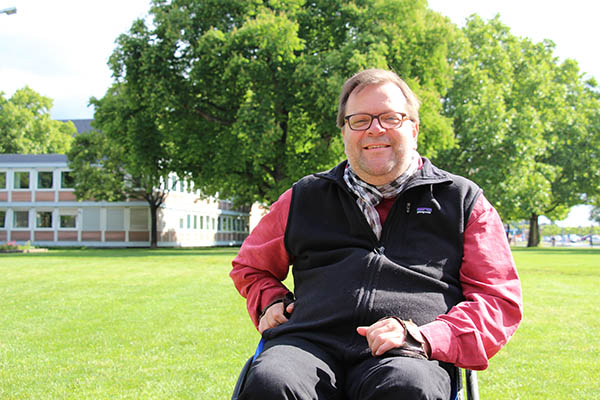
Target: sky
<point>60,48</point>
<point>572,25</point>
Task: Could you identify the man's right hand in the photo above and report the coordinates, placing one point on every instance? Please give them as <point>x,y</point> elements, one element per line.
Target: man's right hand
<point>274,316</point>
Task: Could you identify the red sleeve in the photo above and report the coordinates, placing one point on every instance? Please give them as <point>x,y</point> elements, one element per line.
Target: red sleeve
<point>477,328</point>
<point>263,261</point>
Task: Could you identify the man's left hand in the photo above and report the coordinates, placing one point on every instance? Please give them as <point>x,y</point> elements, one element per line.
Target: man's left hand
<point>383,335</point>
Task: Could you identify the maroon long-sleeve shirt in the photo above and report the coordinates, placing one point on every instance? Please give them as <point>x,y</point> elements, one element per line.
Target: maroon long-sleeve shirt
<point>467,336</point>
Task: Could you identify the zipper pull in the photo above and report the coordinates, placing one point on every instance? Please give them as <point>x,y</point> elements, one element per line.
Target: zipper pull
<point>380,250</point>
<point>408,208</point>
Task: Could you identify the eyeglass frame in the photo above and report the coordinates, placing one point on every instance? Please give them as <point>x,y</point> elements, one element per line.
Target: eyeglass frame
<point>404,118</point>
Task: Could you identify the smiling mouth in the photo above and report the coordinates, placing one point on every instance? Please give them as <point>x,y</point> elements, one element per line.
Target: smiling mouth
<point>376,146</point>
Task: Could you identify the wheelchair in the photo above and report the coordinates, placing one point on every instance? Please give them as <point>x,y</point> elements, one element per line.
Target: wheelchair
<point>470,386</point>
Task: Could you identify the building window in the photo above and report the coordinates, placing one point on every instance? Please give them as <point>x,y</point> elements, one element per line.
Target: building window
<point>43,219</point>
<point>115,219</point>
<point>66,180</point>
<point>2,219</point>
<point>180,223</point>
<point>195,222</point>
<point>138,219</point>
<point>22,180</point>
<point>68,221</point>
<point>91,219</point>
<point>21,219</point>
<point>2,179</point>
<point>189,221</point>
<point>45,180</point>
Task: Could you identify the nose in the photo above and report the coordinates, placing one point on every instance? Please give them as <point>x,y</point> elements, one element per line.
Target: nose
<point>375,128</point>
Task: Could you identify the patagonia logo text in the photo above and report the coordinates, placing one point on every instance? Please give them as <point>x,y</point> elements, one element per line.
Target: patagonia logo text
<point>423,210</point>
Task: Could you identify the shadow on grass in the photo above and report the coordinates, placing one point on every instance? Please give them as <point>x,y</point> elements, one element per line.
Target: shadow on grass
<point>135,252</point>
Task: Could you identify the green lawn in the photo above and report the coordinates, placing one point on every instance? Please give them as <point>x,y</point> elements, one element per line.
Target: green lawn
<point>168,324</point>
<point>555,352</point>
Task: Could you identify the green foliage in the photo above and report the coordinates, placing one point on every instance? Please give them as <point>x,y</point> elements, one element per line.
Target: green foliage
<point>14,246</point>
<point>96,168</point>
<point>553,230</point>
<point>247,91</point>
<point>26,126</point>
<point>525,125</point>
<point>241,98</point>
<point>126,157</point>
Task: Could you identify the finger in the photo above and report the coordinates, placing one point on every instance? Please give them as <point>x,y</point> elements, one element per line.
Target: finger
<point>383,336</point>
<point>277,315</point>
<point>362,330</point>
<point>370,333</point>
<point>272,318</point>
<point>386,345</point>
<point>290,308</point>
<point>376,343</point>
<point>262,325</point>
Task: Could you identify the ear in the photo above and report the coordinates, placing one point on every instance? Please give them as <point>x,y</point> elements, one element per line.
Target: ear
<point>415,133</point>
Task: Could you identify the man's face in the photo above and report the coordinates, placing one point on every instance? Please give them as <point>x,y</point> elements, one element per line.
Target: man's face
<point>379,155</point>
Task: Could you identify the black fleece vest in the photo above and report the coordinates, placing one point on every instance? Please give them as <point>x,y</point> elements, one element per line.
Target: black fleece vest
<point>344,277</point>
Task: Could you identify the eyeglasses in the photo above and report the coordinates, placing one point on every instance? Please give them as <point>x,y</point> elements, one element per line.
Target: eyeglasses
<point>363,121</point>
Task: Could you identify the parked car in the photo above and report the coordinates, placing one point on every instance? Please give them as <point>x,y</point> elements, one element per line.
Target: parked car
<point>595,238</point>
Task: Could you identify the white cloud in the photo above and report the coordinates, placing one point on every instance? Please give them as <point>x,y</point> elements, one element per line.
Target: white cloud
<point>60,48</point>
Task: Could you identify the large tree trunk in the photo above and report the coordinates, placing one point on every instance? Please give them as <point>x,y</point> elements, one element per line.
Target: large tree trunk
<point>534,231</point>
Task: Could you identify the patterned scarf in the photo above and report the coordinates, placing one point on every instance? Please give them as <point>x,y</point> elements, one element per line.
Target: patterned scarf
<point>370,196</point>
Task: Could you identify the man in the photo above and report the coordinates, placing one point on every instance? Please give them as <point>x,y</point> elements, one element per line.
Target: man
<point>401,269</point>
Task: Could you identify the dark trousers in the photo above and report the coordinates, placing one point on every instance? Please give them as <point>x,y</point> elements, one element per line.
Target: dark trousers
<point>293,368</point>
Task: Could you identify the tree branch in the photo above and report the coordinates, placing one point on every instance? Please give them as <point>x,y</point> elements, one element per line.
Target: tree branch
<point>211,118</point>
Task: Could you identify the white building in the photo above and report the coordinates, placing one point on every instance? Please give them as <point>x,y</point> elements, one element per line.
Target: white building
<point>38,204</point>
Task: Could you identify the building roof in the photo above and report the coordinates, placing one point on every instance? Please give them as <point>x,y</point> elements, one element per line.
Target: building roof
<point>30,159</point>
<point>82,125</point>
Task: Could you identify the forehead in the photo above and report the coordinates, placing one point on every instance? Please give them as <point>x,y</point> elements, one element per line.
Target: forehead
<point>376,98</point>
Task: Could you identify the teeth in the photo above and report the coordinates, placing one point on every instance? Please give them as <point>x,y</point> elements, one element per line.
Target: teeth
<point>381,146</point>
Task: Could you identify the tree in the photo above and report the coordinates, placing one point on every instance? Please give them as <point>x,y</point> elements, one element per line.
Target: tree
<point>595,214</point>
<point>26,126</point>
<point>522,124</point>
<point>125,158</point>
<point>248,90</point>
